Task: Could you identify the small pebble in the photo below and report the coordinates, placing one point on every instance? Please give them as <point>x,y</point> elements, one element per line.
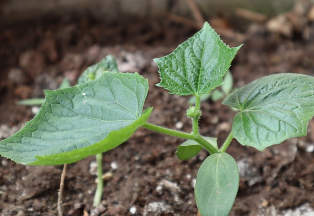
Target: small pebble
<point>114,165</point>
<point>179,125</point>
<point>106,176</point>
<point>35,110</point>
<point>4,162</point>
<point>224,126</point>
<point>309,148</point>
<point>193,183</point>
<point>214,119</point>
<point>93,168</point>
<point>133,210</point>
<point>159,188</point>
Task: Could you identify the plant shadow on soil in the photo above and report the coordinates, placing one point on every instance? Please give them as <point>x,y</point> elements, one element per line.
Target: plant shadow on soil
<point>146,174</point>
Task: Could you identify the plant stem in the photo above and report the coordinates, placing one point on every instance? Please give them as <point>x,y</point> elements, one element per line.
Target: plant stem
<point>100,183</point>
<point>60,213</point>
<point>196,118</point>
<point>205,144</point>
<point>183,135</point>
<point>168,131</point>
<point>226,143</point>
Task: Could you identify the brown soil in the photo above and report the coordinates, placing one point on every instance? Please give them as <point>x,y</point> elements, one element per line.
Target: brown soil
<point>146,174</point>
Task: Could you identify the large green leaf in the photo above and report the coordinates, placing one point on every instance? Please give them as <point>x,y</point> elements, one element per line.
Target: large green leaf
<point>217,184</point>
<point>95,71</point>
<point>272,109</point>
<point>80,121</point>
<point>197,66</point>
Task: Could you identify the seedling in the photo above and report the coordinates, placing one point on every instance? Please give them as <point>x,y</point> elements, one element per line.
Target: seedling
<point>108,64</point>
<point>96,116</point>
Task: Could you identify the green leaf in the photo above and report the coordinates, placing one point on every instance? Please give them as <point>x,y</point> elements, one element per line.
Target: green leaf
<point>65,84</point>
<point>272,109</point>
<point>228,83</point>
<point>216,95</point>
<point>217,184</point>
<point>32,102</point>
<point>197,66</point>
<point>191,148</point>
<point>95,71</point>
<point>83,120</point>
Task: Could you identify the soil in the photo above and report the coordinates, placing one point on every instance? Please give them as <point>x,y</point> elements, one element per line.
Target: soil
<point>144,175</point>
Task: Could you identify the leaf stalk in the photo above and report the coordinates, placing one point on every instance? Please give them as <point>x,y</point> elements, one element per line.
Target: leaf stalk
<point>198,138</point>
<point>100,183</point>
<point>226,143</point>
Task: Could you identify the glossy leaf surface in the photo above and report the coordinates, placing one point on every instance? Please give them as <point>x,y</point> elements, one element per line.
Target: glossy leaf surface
<point>197,66</point>
<point>217,184</point>
<point>272,109</point>
<point>80,121</point>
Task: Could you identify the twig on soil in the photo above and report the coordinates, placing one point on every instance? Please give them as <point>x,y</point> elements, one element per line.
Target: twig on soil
<point>60,213</point>
<point>148,36</point>
<point>196,12</point>
<point>183,20</point>
<point>251,15</point>
<point>238,37</point>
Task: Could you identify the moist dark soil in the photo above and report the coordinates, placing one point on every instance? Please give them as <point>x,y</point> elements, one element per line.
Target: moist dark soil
<point>144,176</point>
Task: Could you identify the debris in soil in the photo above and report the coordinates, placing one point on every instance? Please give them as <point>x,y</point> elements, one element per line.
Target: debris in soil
<point>133,210</point>
<point>303,210</point>
<point>93,168</point>
<point>157,209</point>
<point>248,173</point>
<point>296,21</point>
<point>33,186</point>
<point>17,76</point>
<point>6,131</point>
<point>32,62</point>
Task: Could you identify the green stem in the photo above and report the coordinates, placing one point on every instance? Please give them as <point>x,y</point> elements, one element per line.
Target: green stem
<point>183,135</point>
<point>205,144</point>
<point>100,184</point>
<point>195,126</point>
<point>196,118</point>
<point>226,143</point>
<point>168,131</point>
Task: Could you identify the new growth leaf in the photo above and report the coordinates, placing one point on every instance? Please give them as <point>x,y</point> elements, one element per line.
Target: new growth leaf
<point>197,66</point>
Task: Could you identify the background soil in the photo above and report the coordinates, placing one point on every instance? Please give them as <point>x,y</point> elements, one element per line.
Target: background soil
<point>146,175</point>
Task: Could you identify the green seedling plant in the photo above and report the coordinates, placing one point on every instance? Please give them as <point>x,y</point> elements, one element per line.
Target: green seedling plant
<point>107,64</point>
<point>98,115</point>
